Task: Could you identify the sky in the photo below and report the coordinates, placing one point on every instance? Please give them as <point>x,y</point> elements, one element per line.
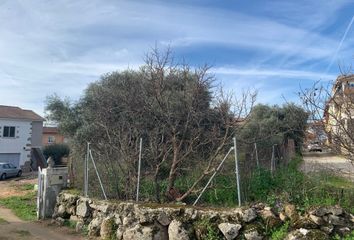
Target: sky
<point>273,46</point>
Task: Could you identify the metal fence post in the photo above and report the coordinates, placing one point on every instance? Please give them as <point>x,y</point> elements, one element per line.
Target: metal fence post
<point>237,173</point>
<point>98,176</point>
<point>272,163</point>
<point>86,170</point>
<point>257,160</point>
<point>139,166</point>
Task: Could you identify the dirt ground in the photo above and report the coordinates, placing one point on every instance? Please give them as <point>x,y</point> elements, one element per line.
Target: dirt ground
<point>314,162</point>
<point>12,186</point>
<point>11,227</point>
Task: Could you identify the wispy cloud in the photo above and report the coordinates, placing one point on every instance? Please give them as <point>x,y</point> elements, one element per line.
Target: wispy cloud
<point>280,73</point>
<point>62,46</point>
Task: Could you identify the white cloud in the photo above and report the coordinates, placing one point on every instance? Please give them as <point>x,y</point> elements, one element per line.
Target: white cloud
<point>280,73</point>
<point>61,46</point>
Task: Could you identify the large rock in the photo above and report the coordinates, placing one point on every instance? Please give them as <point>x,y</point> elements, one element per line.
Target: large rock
<point>322,211</point>
<point>269,218</point>
<point>253,231</point>
<point>327,228</point>
<point>230,231</point>
<point>61,212</point>
<point>94,227</point>
<point>138,232</point>
<point>191,213</point>
<point>305,234</point>
<point>249,215</point>
<point>83,209</point>
<point>335,220</point>
<point>253,235</point>
<point>318,220</point>
<point>304,222</point>
<point>70,199</point>
<point>108,228</point>
<point>160,232</point>
<point>335,210</point>
<point>290,212</point>
<point>176,231</point>
<point>163,219</point>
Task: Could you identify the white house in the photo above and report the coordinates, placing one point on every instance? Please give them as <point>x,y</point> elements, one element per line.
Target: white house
<point>21,137</point>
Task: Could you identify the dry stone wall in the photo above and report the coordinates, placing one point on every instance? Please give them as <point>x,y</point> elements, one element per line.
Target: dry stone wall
<point>128,221</point>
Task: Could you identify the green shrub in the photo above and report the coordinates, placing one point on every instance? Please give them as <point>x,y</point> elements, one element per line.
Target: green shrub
<point>280,233</point>
<point>56,151</point>
<point>207,230</point>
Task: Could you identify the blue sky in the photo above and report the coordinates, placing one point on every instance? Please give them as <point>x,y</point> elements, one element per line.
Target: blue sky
<point>60,46</point>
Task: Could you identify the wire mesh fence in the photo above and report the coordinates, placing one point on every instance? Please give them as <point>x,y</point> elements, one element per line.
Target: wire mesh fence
<point>103,176</point>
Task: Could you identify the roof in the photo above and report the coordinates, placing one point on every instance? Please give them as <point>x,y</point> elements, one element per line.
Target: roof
<point>343,78</point>
<point>18,113</point>
<point>50,130</point>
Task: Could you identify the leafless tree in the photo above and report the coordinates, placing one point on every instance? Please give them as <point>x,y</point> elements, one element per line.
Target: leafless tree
<point>333,104</point>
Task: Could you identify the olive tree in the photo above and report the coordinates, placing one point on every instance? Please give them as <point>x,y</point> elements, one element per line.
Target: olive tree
<point>184,123</point>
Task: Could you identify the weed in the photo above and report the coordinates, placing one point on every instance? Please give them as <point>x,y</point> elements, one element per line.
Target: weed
<point>70,224</point>
<point>23,206</point>
<point>207,230</point>
<point>280,233</point>
<point>350,236</point>
<point>26,187</point>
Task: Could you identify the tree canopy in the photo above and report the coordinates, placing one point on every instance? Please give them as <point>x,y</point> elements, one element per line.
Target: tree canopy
<point>172,107</point>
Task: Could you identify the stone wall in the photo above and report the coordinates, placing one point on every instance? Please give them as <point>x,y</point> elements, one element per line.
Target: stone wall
<point>128,221</point>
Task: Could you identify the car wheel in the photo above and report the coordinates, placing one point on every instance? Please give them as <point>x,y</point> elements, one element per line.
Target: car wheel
<point>19,173</point>
<point>3,176</point>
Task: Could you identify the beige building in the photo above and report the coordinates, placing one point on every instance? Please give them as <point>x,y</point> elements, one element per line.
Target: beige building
<point>339,111</point>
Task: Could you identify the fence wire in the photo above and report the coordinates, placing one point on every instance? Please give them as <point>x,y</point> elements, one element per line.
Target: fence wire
<point>119,177</point>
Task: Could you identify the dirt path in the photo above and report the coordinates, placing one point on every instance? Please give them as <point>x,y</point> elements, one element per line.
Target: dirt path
<point>12,228</point>
<point>314,162</point>
<point>15,186</point>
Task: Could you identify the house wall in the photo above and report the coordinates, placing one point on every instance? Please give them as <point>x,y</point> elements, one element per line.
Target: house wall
<point>21,143</point>
<point>37,131</point>
<point>58,138</point>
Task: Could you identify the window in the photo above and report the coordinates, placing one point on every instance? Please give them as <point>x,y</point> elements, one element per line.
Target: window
<point>6,166</point>
<point>11,165</point>
<point>51,139</point>
<point>9,132</point>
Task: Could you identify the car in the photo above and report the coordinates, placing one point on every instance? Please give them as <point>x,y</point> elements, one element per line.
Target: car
<point>9,170</point>
<point>314,147</point>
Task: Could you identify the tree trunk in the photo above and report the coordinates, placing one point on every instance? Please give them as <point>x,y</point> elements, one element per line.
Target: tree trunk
<point>173,169</point>
<point>157,185</point>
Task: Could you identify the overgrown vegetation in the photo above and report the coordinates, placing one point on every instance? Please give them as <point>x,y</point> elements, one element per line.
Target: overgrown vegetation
<point>26,187</point>
<point>280,233</point>
<point>185,124</point>
<point>289,184</point>
<point>274,125</point>
<point>70,223</point>
<point>208,230</point>
<point>347,237</point>
<point>22,206</point>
